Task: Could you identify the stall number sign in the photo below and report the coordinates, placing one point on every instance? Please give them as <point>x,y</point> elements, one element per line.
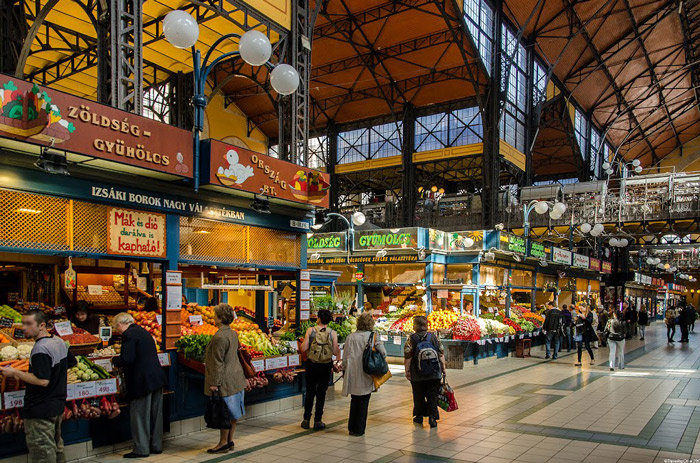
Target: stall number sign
<point>81,390</point>
<point>14,399</point>
<point>6,322</point>
<point>106,387</point>
<point>63,328</point>
<point>196,320</point>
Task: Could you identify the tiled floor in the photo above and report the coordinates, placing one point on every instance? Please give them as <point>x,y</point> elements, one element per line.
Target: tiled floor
<point>522,410</point>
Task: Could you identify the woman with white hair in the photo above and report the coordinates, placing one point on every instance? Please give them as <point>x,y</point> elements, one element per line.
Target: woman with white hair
<point>144,380</point>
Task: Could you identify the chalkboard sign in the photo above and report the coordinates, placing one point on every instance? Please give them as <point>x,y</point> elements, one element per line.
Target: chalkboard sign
<point>18,334</point>
<point>6,322</point>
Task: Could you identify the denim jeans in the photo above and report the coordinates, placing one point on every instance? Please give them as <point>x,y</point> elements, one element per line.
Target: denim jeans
<point>566,337</point>
<point>642,328</point>
<point>551,335</point>
<point>617,353</point>
<point>588,348</point>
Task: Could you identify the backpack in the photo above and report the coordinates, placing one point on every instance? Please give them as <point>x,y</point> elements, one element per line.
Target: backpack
<point>427,357</point>
<point>321,347</point>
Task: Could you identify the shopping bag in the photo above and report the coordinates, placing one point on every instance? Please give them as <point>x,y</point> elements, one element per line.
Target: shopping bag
<point>381,379</point>
<point>217,415</point>
<point>446,397</point>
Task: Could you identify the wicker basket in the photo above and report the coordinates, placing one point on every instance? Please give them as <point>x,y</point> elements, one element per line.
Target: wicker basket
<point>84,349</point>
<point>454,356</point>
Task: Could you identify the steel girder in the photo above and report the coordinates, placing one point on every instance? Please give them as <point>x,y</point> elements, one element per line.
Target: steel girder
<point>13,29</point>
<point>690,20</point>
<point>127,54</point>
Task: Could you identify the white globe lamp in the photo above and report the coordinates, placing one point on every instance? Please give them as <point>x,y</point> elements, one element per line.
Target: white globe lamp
<point>586,227</point>
<point>541,207</point>
<point>606,165</point>
<point>638,169</point>
<point>358,218</point>
<point>597,229</point>
<point>180,29</point>
<point>554,216</point>
<point>609,171</point>
<point>636,163</point>
<point>255,48</point>
<point>284,79</point>
<point>559,208</point>
<point>623,242</point>
<point>613,242</point>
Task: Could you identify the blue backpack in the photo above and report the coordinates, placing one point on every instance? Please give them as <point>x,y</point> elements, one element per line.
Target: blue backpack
<point>427,356</point>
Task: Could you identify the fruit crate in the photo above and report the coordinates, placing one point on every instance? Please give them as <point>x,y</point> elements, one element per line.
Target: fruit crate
<point>84,349</point>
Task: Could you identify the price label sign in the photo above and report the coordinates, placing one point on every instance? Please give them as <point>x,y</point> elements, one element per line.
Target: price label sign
<point>106,387</point>
<point>397,340</point>
<point>164,359</point>
<point>305,285</point>
<point>104,363</point>
<point>304,305</point>
<point>384,337</point>
<point>14,399</point>
<point>59,310</point>
<point>196,320</point>
<point>304,275</point>
<point>294,360</point>
<point>305,295</point>
<point>173,277</point>
<point>63,328</point>
<point>258,364</point>
<point>304,314</point>
<point>275,363</point>
<point>443,294</point>
<point>85,390</point>
<point>6,322</point>
<point>33,307</point>
<point>159,319</point>
<point>94,290</point>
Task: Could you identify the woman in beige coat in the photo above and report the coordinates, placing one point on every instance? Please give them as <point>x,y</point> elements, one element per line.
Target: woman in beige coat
<point>224,373</point>
<point>356,383</point>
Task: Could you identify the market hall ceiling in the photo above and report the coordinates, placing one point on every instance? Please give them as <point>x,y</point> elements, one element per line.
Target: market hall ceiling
<point>632,64</point>
<point>370,58</point>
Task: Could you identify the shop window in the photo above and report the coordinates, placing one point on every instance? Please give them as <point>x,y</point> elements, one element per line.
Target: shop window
<point>492,276</point>
<point>460,272</point>
<point>438,273</point>
<point>33,221</point>
<point>212,241</point>
<point>545,280</point>
<point>521,278</point>
<point>396,273</point>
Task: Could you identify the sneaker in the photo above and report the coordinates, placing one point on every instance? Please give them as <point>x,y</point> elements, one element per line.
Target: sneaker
<point>546,357</point>
<point>577,364</point>
<point>592,362</point>
<point>612,369</point>
<point>305,424</point>
<point>319,426</point>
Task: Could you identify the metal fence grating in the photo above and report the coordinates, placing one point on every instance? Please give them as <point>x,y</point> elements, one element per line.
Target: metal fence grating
<point>34,221</point>
<point>211,241</point>
<point>90,227</point>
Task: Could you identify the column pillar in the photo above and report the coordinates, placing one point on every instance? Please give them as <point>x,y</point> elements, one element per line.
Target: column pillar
<point>409,188</point>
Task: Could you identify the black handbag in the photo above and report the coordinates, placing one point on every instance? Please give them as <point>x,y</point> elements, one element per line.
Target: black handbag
<point>373,363</point>
<point>217,415</point>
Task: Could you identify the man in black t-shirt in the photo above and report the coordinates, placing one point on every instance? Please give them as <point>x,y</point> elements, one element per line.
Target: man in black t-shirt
<point>45,396</point>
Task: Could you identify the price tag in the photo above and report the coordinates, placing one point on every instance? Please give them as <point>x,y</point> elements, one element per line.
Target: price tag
<point>489,340</point>
<point>14,399</point>
<point>304,305</point>
<point>6,322</point>
<point>304,314</point>
<point>384,337</point>
<point>507,338</point>
<point>164,359</point>
<point>18,334</point>
<point>305,285</point>
<point>63,328</point>
<point>12,297</point>
<point>106,387</point>
<point>258,364</point>
<point>442,294</point>
<point>294,360</point>
<point>392,308</point>
<point>522,336</point>
<point>397,340</point>
<point>85,390</point>
<point>305,295</point>
<point>282,362</point>
<point>196,320</point>
<point>59,310</point>
<point>159,319</point>
<point>304,275</point>
<point>104,363</point>
<point>94,290</point>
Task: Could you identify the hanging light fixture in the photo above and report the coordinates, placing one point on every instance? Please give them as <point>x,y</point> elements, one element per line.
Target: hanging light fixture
<point>586,227</point>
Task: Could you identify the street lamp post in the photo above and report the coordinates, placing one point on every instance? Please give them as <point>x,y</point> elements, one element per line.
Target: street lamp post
<point>182,31</point>
<point>541,207</point>
<point>358,218</point>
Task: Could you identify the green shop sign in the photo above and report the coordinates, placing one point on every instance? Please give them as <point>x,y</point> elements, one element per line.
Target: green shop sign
<point>386,239</point>
<point>537,250</point>
<point>326,241</point>
<point>513,243</point>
